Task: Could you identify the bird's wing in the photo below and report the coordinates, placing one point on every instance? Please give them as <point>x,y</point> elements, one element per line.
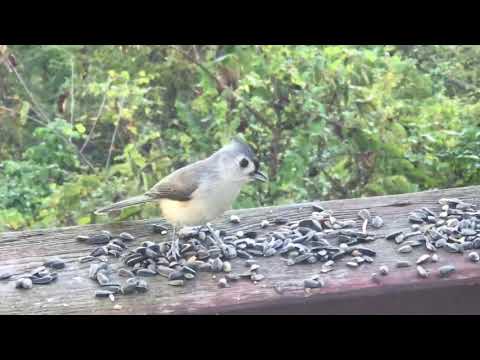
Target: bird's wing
<point>179,185</point>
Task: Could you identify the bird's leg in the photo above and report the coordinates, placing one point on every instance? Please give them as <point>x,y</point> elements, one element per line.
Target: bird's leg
<point>175,248</point>
<point>217,238</point>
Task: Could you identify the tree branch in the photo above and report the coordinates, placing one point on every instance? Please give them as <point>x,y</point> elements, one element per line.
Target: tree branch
<point>212,76</point>
<point>99,113</point>
<point>112,143</point>
<point>72,103</point>
<point>27,90</point>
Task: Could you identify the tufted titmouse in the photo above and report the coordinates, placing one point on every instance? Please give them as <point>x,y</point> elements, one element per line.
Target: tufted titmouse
<point>202,191</point>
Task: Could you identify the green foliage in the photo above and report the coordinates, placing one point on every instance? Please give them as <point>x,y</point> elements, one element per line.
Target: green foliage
<point>326,121</point>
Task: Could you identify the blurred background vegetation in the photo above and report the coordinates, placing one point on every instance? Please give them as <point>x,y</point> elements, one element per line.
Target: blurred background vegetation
<point>85,125</point>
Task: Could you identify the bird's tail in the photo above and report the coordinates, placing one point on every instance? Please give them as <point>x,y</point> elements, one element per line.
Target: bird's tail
<point>124,204</point>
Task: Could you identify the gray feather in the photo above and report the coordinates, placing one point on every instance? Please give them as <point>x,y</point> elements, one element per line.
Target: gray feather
<point>181,184</point>
<point>124,204</point>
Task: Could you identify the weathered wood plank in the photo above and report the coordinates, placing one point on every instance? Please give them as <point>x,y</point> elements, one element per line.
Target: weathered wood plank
<point>73,292</point>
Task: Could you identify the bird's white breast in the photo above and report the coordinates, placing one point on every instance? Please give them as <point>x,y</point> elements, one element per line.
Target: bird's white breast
<point>207,203</point>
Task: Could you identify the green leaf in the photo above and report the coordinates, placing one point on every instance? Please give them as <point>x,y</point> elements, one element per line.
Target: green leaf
<point>80,128</point>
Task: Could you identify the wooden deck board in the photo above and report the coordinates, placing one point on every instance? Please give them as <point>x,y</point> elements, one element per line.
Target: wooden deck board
<point>73,293</point>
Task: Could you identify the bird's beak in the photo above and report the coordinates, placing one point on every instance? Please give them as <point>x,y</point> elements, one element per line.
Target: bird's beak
<point>258,175</point>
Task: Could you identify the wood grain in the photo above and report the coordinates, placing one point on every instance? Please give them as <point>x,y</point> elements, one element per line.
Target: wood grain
<point>73,293</point>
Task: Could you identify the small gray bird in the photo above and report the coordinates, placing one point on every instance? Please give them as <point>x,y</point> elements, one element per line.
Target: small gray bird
<point>202,191</point>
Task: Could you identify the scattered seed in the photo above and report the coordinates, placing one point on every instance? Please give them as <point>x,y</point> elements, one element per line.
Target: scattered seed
<point>405,249</point>
<point>102,278</point>
<point>24,283</point>
<point>422,259</point>
<point>313,284</point>
<point>234,219</point>
<point>375,278</point>
<point>446,270</point>
<point>157,228</point>
<point>55,264</point>
<point>146,273</point>
<point>383,270</point>
<point>280,221</point>
<point>223,283</point>
<point>86,259</point>
<point>474,257</point>
<point>142,286</point>
<point>422,272</point>
<point>377,222</point>
<point>6,275</point>
<point>257,277</point>
<point>264,224</point>
<point>103,293</point>
<point>127,236</point>
<point>176,283</point>
<point>403,264</point>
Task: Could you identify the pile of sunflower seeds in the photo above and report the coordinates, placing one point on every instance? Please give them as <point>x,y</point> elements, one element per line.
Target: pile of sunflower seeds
<point>455,229</point>
<point>39,276</point>
<point>319,238</point>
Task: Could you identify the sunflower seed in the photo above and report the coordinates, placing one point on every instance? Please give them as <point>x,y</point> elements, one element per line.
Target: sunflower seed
<point>422,272</point>
<point>312,284</point>
<point>99,239</point>
<point>102,278</point>
<point>232,277</point>
<point>368,259</point>
<point>280,221</point>
<point>318,208</point>
<point>176,283</point>
<point>375,278</point>
<point>146,272</point>
<point>415,218</point>
<point>83,238</point>
<point>176,275</point>
<point>446,270</point>
<point>377,222</point>
<point>422,259</point>
<point>142,286</point>
<point>399,238</point>
<point>223,283</point>
<point>217,265</point>
<point>99,251</point>
<point>474,257</point>
<point>86,259</point>
<point>128,289</point>
<point>157,228</point>
<point>234,219</point>
<point>103,293</point>
<point>257,277</point>
<point>383,270</point>
<point>393,235</point>
<point>403,264</point>
<point>24,283</point>
<point>352,264</point>
<point>44,280</point>
<point>55,264</point>
<point>115,289</point>
<point>94,268</point>
<point>6,275</point>
<point>405,249</point>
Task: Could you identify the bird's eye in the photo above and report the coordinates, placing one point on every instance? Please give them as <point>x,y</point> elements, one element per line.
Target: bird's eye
<point>244,163</point>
